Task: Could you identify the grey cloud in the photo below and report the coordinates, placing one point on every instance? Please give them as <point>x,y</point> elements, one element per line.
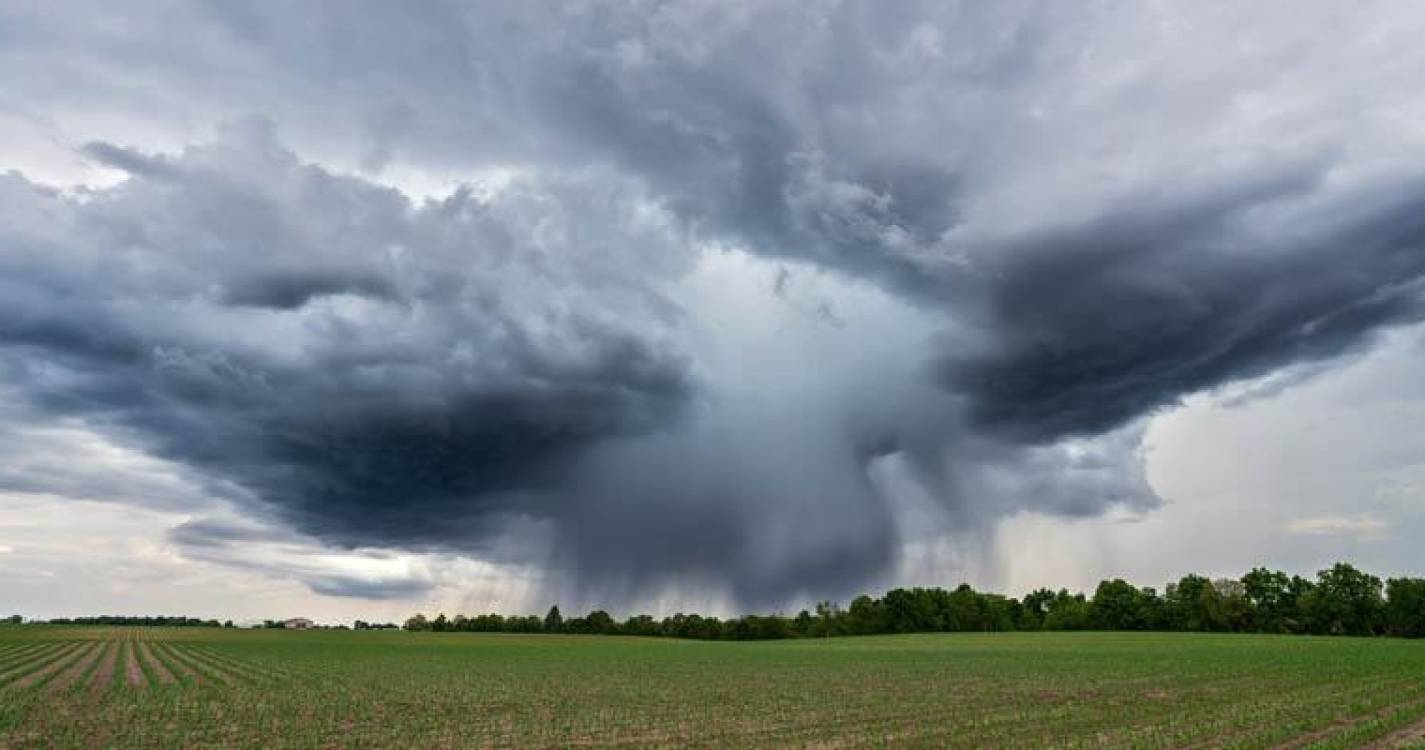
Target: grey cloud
<point>213,533</point>
<point>1088,321</point>
<point>127,160</point>
<point>1098,325</point>
<point>1098,217</point>
<point>509,335</point>
<point>48,456</point>
<point>292,290</point>
<point>360,588</point>
<point>279,553</point>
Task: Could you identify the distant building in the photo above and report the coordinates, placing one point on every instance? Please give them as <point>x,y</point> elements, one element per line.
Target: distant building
<point>297,623</point>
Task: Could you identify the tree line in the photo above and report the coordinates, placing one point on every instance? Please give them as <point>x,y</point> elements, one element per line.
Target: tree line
<point>1340,601</point>
<point>138,620</point>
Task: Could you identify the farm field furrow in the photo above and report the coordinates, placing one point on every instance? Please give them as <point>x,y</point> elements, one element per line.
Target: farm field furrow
<point>103,676</point>
<point>38,660</point>
<point>78,669</point>
<point>180,669</point>
<point>49,669</point>
<point>196,688</point>
<point>133,673</point>
<point>184,663</point>
<point>19,656</point>
<point>157,671</point>
<point>215,670</point>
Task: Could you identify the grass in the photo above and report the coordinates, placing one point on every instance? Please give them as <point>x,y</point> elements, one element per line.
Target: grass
<point>348,689</point>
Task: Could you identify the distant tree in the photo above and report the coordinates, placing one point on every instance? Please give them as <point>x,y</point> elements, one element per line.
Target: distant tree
<point>1000,612</point>
<point>1298,591</point>
<point>803,625</point>
<point>641,625</point>
<point>1229,587</point>
<point>964,610</point>
<point>554,622</point>
<point>1236,608</point>
<point>1118,605</point>
<point>600,622</point>
<point>909,611</point>
<point>1273,604</point>
<point>864,617</point>
<point>1345,601</point>
<point>14,620</point>
<point>1194,604</point>
<point>1067,612</point>
<point>757,627</point>
<point>1034,608</point>
<point>1155,609</point>
<point>830,620</point>
<point>1405,607</point>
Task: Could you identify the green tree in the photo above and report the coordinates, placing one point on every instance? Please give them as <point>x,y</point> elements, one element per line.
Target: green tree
<point>830,620</point>
<point>1067,612</point>
<point>417,622</point>
<point>1405,607</point>
<point>1345,601</point>
<point>1194,604</point>
<point>553,621</point>
<point>803,624</point>
<point>1118,605</point>
<point>864,617</point>
<point>1272,599</point>
<point>641,625</point>
<point>600,622</point>
<point>919,610</point>
<point>1034,608</point>
<point>1236,608</point>
<point>966,610</point>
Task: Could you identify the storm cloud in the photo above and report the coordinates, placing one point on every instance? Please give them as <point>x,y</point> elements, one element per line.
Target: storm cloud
<point>328,346</point>
<point>710,290</point>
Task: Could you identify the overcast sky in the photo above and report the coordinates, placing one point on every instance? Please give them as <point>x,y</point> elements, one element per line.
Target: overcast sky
<point>361,309</point>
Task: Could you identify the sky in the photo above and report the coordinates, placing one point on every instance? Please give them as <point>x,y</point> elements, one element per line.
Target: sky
<point>365,309</point>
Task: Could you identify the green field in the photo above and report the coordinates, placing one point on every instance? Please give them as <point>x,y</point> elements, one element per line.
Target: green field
<point>195,687</point>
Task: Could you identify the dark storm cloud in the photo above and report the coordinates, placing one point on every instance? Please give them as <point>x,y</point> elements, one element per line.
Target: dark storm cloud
<point>1100,324</point>
<point>1100,218</point>
<point>363,588</point>
<point>208,314</point>
<point>1086,323</point>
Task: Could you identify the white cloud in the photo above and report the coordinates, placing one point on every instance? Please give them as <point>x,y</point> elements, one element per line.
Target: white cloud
<point>1364,526</point>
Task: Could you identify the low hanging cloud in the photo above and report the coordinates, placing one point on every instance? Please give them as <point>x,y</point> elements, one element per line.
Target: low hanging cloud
<point>1025,231</point>
<point>278,554</point>
<point>523,377</point>
<point>323,343</point>
<point>1362,526</point>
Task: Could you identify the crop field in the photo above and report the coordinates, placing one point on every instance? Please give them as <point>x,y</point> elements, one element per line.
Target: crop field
<point>193,687</point>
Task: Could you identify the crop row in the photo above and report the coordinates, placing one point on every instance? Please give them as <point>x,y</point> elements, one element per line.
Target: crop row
<point>96,665</point>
